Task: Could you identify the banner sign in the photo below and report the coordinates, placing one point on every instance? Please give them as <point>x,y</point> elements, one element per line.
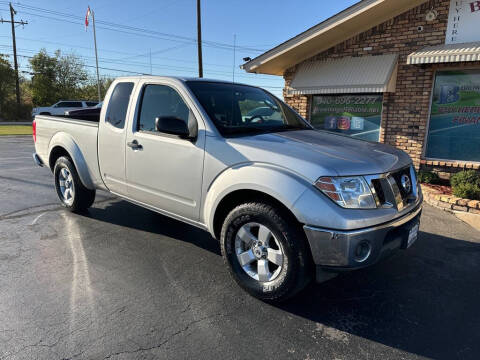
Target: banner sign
<point>355,115</point>
<point>454,128</point>
<point>463,22</point>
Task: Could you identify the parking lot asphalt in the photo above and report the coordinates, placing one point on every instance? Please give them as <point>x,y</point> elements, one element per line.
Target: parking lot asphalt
<point>122,282</point>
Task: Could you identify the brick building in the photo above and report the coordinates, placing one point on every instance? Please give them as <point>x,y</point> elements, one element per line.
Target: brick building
<point>406,73</point>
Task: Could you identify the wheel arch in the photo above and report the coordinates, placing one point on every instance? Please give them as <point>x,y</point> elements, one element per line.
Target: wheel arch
<point>237,197</point>
<point>251,182</point>
<point>62,144</point>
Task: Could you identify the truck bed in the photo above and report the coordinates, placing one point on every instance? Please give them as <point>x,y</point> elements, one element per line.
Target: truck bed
<point>80,134</point>
<point>95,118</point>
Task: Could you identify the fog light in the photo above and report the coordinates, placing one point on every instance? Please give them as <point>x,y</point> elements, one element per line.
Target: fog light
<point>362,251</point>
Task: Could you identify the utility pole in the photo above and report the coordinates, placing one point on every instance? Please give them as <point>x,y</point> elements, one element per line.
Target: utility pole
<point>234,54</point>
<point>199,40</point>
<point>150,61</point>
<point>13,22</point>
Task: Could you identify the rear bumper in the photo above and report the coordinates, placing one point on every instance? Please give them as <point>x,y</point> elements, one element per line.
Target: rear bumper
<point>37,160</point>
<point>336,250</point>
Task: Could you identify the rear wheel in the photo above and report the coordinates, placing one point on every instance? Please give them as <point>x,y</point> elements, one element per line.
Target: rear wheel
<point>266,251</point>
<point>70,190</point>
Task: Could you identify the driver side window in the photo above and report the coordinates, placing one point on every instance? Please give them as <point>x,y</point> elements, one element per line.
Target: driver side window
<point>159,101</point>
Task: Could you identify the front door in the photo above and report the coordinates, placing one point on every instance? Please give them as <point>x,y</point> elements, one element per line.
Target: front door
<point>163,170</point>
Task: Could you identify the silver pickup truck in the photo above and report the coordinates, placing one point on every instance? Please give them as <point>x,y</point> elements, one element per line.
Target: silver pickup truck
<point>288,203</point>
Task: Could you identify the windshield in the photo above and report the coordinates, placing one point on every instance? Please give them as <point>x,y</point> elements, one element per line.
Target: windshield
<point>241,109</point>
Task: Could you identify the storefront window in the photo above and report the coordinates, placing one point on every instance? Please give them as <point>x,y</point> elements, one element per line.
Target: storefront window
<point>355,115</point>
<point>454,128</point>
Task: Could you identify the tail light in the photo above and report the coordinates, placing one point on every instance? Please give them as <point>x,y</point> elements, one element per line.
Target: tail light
<point>34,131</point>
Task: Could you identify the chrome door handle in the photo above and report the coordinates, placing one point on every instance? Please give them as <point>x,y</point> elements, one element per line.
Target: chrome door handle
<point>135,145</point>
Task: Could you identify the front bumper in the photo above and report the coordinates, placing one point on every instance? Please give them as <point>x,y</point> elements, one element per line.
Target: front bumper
<point>336,250</point>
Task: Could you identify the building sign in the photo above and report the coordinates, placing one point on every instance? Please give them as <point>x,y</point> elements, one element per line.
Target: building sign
<point>355,115</point>
<point>454,128</point>
<point>463,22</point>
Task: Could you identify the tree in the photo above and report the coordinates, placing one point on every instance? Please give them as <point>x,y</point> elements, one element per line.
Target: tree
<point>90,92</point>
<point>7,82</point>
<point>43,85</point>
<point>71,76</point>
<point>56,77</point>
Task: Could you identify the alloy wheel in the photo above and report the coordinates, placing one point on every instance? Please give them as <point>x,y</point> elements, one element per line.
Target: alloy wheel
<point>259,252</point>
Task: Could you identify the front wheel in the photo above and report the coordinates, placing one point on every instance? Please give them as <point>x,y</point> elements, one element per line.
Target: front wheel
<point>266,251</point>
<point>70,190</point>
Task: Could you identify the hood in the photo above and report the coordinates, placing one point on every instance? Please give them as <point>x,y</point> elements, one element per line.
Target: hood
<point>315,153</point>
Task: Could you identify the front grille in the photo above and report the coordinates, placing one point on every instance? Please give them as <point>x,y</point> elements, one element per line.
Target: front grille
<point>398,180</point>
<point>389,191</point>
<point>377,185</point>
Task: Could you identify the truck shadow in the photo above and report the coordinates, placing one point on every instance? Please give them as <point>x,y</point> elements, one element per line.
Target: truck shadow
<point>124,214</point>
<point>424,301</point>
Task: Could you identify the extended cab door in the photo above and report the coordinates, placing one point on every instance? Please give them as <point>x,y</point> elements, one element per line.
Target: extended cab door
<point>165,171</point>
<point>111,136</point>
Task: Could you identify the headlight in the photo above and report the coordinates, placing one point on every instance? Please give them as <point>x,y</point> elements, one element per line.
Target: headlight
<point>348,192</point>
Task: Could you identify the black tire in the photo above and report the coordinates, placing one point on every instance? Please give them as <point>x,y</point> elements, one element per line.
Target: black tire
<point>296,270</point>
<point>82,197</point>
<point>45,113</point>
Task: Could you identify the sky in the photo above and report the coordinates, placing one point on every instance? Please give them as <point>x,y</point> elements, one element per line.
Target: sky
<point>158,36</point>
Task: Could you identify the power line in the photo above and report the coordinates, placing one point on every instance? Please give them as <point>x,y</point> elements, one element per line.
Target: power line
<point>133,72</point>
<point>74,46</point>
<point>129,29</point>
<point>93,66</point>
<point>159,66</point>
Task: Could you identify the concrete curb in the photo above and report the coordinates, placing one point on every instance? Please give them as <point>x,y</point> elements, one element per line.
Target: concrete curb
<point>471,219</point>
<point>449,202</point>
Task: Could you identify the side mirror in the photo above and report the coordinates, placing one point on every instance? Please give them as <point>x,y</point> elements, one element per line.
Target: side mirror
<point>172,125</point>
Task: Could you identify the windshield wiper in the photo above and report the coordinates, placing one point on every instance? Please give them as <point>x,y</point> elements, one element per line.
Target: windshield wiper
<point>288,128</point>
<point>249,130</point>
<point>244,130</point>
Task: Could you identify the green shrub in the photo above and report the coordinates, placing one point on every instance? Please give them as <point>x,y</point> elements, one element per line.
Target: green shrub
<point>467,191</point>
<point>465,177</point>
<point>9,111</point>
<point>428,177</point>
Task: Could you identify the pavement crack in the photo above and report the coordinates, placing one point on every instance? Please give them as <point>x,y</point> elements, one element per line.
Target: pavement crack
<point>159,345</point>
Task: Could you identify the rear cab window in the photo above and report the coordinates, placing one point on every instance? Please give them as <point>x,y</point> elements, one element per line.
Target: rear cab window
<point>118,104</point>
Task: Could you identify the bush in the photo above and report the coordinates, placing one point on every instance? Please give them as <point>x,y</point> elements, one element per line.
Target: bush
<point>467,191</point>
<point>9,111</point>
<point>465,177</point>
<point>428,177</point>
